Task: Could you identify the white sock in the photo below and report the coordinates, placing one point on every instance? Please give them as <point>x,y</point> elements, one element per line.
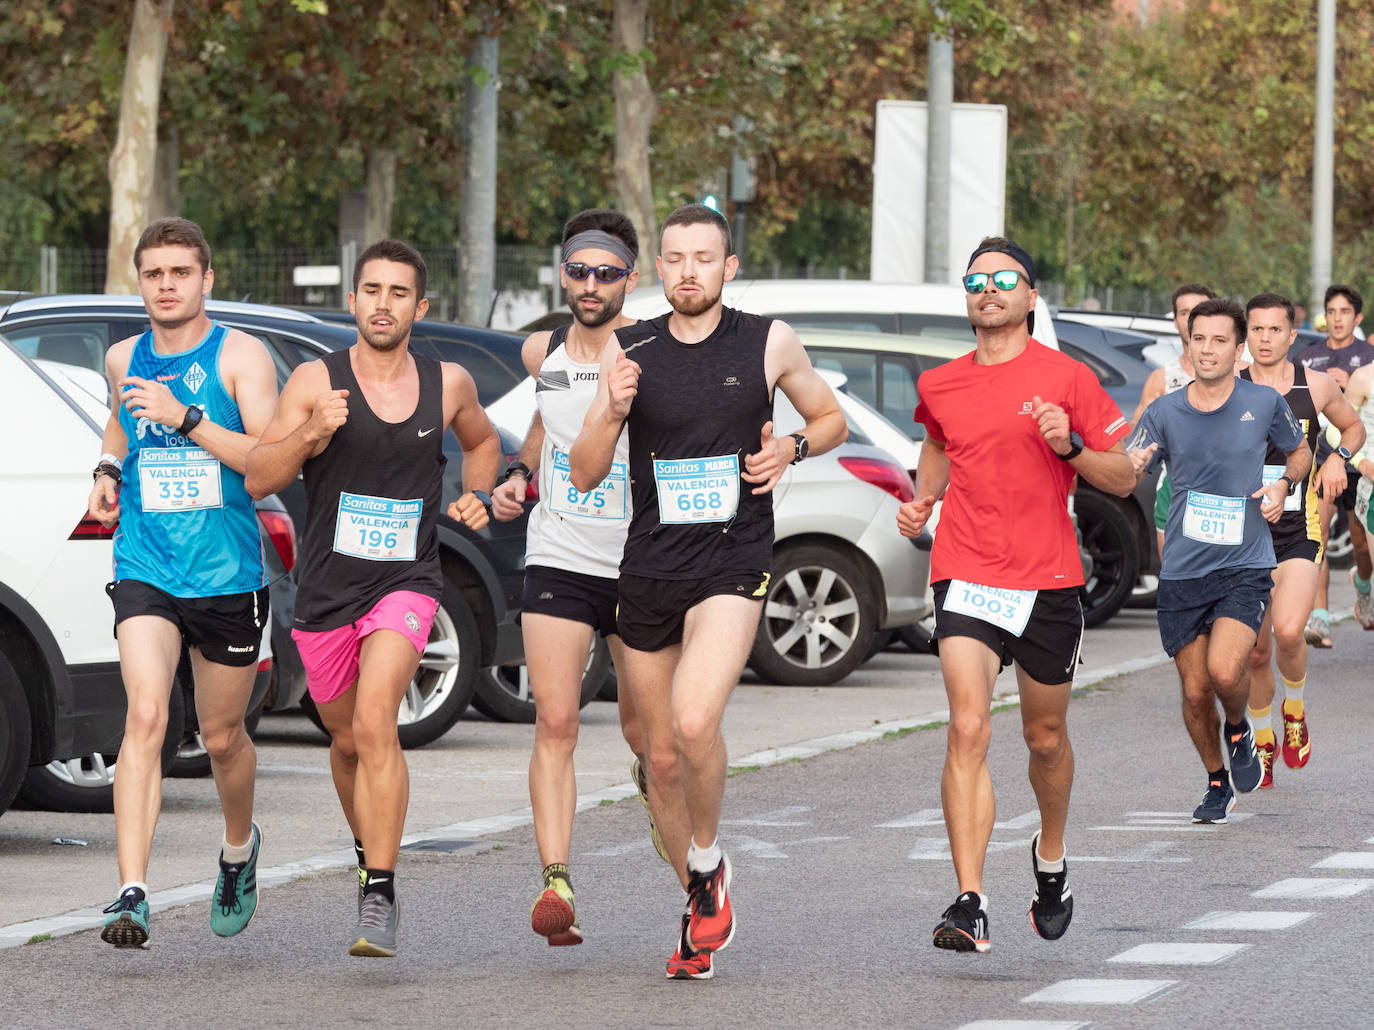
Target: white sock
<point>135,883</point>
<point>1293,691</point>
<point>1057,866</point>
<point>703,860</point>
<point>1262,722</point>
<point>235,853</point>
<point>983,903</point>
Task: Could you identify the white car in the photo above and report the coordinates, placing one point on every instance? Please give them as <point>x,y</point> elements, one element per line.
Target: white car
<point>841,571</point>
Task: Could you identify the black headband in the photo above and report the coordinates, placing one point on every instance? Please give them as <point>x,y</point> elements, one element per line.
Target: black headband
<point>1012,251</point>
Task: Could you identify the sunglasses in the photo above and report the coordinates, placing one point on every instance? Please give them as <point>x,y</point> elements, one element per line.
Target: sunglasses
<point>578,272</point>
<point>977,282</point>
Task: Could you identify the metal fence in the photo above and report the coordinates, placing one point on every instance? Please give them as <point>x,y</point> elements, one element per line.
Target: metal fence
<point>1135,299</point>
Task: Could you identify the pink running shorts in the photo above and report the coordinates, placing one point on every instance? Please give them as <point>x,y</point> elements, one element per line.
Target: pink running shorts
<point>331,656</point>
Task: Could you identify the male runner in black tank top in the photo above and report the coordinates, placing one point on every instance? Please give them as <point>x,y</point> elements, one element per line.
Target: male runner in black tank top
<point>367,425</point>
<point>1297,534</point>
<point>696,388</point>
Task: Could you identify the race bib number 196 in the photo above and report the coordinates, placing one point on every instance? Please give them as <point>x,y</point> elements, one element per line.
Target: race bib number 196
<point>692,491</point>
<point>377,528</point>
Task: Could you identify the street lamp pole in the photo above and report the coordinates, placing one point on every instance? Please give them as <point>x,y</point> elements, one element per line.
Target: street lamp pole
<point>1323,154</point>
<point>939,103</point>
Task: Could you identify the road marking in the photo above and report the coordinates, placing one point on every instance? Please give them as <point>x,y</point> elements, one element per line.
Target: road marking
<point>936,817</point>
<point>1100,992</point>
<point>1171,954</point>
<point>1326,887</point>
<point>936,849</point>
<point>1347,860</point>
<point>1249,920</point>
<point>777,817</point>
<point>1025,1024</point>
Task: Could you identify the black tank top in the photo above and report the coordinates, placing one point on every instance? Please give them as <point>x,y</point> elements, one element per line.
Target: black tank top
<point>373,503</point>
<point>1299,398</point>
<point>699,409</point>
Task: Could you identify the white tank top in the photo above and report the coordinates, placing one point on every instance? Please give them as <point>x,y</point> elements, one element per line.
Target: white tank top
<point>1174,376</point>
<point>569,529</point>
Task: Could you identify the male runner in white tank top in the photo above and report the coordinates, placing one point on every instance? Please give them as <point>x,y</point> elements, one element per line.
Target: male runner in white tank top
<point>574,544</point>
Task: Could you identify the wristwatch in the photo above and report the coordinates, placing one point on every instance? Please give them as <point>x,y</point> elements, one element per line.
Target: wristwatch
<point>803,448</point>
<point>1344,452</point>
<point>484,497</point>
<point>1289,480</point>
<point>1075,448</point>
<point>517,468</point>
<point>192,419</point>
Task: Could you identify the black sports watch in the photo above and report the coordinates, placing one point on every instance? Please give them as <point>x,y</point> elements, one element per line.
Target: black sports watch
<point>1289,480</point>
<point>1075,448</point>
<point>1344,452</point>
<point>192,419</point>
<point>517,468</point>
<point>803,448</point>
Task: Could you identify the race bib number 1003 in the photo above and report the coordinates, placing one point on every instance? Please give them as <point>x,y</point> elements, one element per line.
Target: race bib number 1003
<point>1006,609</point>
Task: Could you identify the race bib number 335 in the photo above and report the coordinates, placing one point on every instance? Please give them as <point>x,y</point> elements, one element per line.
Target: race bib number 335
<point>179,479</point>
<point>693,491</point>
<point>377,528</point>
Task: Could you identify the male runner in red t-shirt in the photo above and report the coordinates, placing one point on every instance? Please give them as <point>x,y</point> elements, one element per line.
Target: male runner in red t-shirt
<point>1008,427</point>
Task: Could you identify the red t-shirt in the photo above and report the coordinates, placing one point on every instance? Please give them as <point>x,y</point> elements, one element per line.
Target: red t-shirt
<point>1005,520</point>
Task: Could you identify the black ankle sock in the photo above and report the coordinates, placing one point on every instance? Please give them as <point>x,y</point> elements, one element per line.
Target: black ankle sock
<point>1232,728</point>
<point>358,850</point>
<point>1218,776</point>
<point>381,881</point>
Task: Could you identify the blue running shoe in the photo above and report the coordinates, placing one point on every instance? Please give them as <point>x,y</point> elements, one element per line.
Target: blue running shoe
<point>126,925</point>
<point>1246,768</point>
<point>236,892</point>
<point>1217,804</point>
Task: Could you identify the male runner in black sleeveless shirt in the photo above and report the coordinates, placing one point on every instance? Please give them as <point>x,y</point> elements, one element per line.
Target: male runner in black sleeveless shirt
<point>367,426</point>
<point>1297,534</point>
<point>696,389</point>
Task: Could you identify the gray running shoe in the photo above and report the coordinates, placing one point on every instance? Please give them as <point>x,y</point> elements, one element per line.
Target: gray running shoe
<point>375,936</point>
<point>1364,605</point>
<point>1318,632</point>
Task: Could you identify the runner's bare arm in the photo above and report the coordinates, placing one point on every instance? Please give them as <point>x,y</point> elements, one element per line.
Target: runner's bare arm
<point>508,497</point>
<point>251,379</point>
<point>481,445</point>
<point>1361,385</point>
<point>1108,470</point>
<point>932,476</point>
<point>788,368</point>
<point>594,449</point>
<point>1344,416</point>
<point>307,414</point>
<point>103,503</point>
<point>1152,390</point>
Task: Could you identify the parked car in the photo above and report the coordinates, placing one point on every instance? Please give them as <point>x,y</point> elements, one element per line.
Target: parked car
<point>61,697</point>
<point>475,626</point>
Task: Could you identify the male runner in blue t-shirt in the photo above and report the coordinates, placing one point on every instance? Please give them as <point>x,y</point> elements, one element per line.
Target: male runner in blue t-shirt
<point>190,398</point>
<point>1218,555</point>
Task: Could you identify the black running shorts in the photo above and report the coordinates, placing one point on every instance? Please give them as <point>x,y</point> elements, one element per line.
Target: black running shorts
<point>1047,649</point>
<point>227,629</point>
<point>652,611</point>
<point>570,595</point>
<point>1187,608</point>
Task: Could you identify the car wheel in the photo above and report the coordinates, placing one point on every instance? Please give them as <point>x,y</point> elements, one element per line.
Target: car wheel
<point>15,733</point>
<point>443,685</point>
<point>817,623</point>
<point>1109,536</point>
<point>1340,552</point>
<point>192,760</point>
<point>503,692</point>
<point>919,636</point>
<point>86,784</point>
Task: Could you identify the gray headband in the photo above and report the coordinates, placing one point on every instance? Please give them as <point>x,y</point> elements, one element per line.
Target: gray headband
<point>599,240</point>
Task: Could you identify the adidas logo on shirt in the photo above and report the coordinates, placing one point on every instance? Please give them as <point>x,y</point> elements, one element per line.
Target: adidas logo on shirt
<point>1247,417</point>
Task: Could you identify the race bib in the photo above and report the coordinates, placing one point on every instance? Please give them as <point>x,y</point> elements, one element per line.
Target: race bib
<point>1362,493</point>
<point>179,479</point>
<point>697,490</point>
<point>604,501</point>
<point>1006,609</point>
<point>1293,502</point>
<point>377,528</point>
<point>1212,519</point>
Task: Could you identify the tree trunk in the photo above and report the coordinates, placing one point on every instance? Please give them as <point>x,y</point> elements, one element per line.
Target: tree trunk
<point>635,108</point>
<point>165,199</point>
<point>477,216</point>
<point>132,160</point>
<point>381,194</point>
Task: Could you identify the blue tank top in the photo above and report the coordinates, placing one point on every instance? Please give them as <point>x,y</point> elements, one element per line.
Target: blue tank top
<point>187,524</point>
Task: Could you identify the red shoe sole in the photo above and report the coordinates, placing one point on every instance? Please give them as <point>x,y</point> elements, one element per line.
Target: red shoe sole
<point>552,916</point>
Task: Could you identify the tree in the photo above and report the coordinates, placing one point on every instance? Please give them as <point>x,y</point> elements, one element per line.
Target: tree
<point>635,107</point>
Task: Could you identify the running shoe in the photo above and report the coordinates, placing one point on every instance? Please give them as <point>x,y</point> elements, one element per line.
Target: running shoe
<point>236,892</point>
<point>712,923</point>
<point>964,926</point>
<point>362,887</point>
<point>1364,604</point>
<point>375,935</point>
<point>642,786</point>
<point>1297,745</point>
<point>1246,769</point>
<point>1318,631</point>
<point>1218,803</point>
<point>554,914</point>
<point>1052,907</point>
<point>687,964</point>
<point>1266,756</point>
<point>126,925</point>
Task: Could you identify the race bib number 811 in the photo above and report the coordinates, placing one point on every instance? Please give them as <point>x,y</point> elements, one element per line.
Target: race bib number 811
<point>692,491</point>
<point>1213,519</point>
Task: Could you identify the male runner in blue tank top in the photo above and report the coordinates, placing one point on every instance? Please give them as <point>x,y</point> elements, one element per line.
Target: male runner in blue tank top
<point>695,388</point>
<point>1218,553</point>
<point>189,400</point>
<point>1311,396</point>
<point>366,425</point>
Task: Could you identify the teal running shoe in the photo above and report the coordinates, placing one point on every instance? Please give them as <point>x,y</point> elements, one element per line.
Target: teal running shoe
<point>236,892</point>
<point>126,923</point>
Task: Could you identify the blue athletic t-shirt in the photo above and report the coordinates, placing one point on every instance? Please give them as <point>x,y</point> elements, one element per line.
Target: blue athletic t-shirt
<point>186,523</point>
<point>1216,461</point>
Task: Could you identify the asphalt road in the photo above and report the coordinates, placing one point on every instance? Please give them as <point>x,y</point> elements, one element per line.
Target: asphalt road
<point>841,870</point>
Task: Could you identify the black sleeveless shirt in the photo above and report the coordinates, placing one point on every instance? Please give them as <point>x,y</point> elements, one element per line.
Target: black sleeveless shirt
<point>373,500</point>
<point>699,409</point>
<point>1299,398</point>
